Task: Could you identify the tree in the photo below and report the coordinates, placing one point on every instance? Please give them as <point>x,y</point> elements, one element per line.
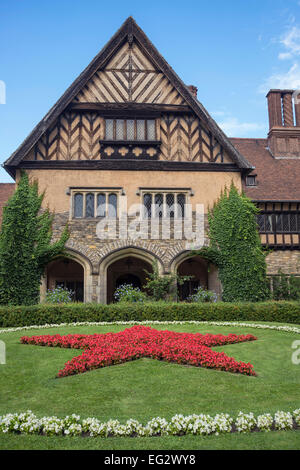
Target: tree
<point>25,245</point>
<point>236,248</point>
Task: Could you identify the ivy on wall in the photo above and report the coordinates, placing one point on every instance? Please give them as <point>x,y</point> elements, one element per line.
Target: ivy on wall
<point>25,245</point>
<point>236,249</point>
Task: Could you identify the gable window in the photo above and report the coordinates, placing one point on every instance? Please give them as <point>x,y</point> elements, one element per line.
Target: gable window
<point>93,204</point>
<point>130,129</point>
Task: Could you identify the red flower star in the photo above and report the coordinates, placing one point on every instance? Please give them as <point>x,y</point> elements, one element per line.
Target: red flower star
<point>101,350</point>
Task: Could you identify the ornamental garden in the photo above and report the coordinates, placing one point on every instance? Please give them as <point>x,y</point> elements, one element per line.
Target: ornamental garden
<point>203,373</point>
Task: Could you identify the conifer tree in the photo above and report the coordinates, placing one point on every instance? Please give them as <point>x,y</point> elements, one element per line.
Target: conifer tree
<point>25,245</point>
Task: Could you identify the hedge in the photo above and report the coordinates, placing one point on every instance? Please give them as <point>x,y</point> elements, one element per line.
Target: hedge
<point>283,312</point>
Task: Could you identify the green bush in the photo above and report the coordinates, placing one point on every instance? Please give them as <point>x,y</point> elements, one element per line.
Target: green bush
<point>128,293</point>
<point>203,295</point>
<point>59,295</point>
<point>284,312</point>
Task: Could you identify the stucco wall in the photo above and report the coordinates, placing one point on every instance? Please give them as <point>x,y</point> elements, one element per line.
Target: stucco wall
<point>206,186</point>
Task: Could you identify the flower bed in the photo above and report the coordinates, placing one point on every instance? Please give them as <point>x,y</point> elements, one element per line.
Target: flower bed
<point>101,350</point>
<point>179,425</point>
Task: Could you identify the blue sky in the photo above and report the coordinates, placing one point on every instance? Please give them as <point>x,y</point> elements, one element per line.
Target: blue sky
<point>234,51</point>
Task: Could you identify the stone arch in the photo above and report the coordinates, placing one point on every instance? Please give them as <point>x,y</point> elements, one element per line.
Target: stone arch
<point>74,257</point>
<point>119,254</point>
<point>206,273</point>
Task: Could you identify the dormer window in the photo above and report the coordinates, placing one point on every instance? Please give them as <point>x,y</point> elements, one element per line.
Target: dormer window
<point>251,180</point>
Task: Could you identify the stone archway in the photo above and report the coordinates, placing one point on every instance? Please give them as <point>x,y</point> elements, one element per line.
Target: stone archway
<point>196,267</point>
<point>128,270</point>
<point>118,265</point>
<point>67,273</point>
<point>204,274</point>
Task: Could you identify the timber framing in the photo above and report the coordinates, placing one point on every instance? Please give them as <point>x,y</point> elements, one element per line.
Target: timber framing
<point>130,109</point>
<point>124,165</point>
<point>128,32</point>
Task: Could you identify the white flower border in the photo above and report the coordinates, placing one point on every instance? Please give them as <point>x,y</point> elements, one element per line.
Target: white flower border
<point>202,424</point>
<point>286,328</point>
<point>179,425</point>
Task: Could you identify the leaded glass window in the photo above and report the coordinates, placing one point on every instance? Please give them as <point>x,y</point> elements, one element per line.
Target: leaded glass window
<point>151,129</point>
<point>101,203</point>
<point>119,129</point>
<point>158,201</point>
<point>112,205</point>
<point>170,205</point>
<point>130,129</point>
<point>109,129</point>
<point>147,205</point>
<point>78,205</point>
<point>165,204</point>
<point>89,205</point>
<point>180,205</point>
<point>95,204</point>
<point>140,129</point>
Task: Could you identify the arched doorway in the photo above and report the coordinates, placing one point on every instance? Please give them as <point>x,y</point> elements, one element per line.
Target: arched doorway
<point>127,270</point>
<point>67,273</point>
<point>196,267</point>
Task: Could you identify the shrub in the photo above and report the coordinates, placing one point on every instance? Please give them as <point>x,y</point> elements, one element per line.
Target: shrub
<point>284,312</point>
<point>203,295</point>
<point>59,295</point>
<point>25,245</point>
<point>236,248</point>
<point>163,287</point>
<point>128,293</point>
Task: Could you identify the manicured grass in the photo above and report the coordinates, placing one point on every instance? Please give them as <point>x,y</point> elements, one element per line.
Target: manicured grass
<point>147,388</point>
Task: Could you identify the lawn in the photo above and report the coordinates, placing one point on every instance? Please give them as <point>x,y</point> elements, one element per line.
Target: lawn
<point>147,388</point>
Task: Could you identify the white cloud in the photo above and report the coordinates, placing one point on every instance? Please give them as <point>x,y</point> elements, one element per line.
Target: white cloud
<point>283,80</point>
<point>234,128</point>
<point>291,42</point>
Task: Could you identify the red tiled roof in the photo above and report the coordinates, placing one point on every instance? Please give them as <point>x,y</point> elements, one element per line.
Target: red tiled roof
<point>6,190</point>
<point>277,179</point>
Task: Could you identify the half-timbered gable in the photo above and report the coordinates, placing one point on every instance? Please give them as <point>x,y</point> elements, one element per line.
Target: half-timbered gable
<point>128,104</point>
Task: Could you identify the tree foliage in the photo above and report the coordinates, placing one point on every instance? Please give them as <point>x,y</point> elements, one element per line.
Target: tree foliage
<point>25,245</point>
<point>236,249</point>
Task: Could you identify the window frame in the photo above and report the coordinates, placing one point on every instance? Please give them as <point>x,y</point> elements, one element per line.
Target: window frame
<point>253,177</point>
<point>187,192</point>
<point>134,119</point>
<point>107,191</point>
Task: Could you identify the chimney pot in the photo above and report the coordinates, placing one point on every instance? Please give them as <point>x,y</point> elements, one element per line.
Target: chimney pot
<point>297,110</point>
<point>284,134</point>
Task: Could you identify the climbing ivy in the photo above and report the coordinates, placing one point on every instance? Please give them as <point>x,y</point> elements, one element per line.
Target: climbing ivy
<point>236,249</point>
<point>25,245</point>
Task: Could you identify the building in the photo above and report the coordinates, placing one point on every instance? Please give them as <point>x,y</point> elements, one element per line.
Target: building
<point>129,143</point>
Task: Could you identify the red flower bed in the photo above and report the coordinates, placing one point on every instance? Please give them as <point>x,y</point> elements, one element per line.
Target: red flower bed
<point>101,350</point>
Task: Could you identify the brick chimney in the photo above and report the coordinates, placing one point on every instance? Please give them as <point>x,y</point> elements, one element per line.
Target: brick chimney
<point>193,89</point>
<point>284,121</point>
